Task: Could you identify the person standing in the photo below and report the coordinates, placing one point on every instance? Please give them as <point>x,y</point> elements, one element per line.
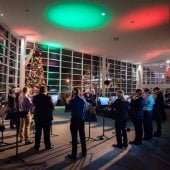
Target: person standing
<point>137,104</point>
<point>25,104</point>
<point>120,108</point>
<point>43,116</point>
<point>78,109</point>
<point>12,105</point>
<point>158,110</point>
<point>148,114</point>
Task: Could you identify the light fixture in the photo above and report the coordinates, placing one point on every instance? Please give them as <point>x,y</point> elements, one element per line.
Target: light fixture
<point>103,13</point>
<point>168,61</point>
<point>77,15</point>
<point>1,14</point>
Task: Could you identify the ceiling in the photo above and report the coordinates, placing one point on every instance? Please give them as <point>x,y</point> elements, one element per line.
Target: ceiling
<point>138,31</point>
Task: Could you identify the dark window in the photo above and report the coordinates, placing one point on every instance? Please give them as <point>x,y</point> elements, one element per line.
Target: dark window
<point>54,56</point>
<point>54,69</point>
<point>66,58</point>
<point>77,54</point>
<point>77,60</point>
<point>66,64</point>
<point>66,70</point>
<point>75,71</point>
<point>66,52</point>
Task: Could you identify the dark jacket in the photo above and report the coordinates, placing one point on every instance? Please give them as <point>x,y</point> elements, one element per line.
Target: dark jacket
<point>78,108</point>
<point>43,107</point>
<point>120,109</point>
<point>11,102</point>
<point>159,104</point>
<point>137,107</point>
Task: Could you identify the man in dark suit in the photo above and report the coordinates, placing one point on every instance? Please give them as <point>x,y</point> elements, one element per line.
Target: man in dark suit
<point>43,117</point>
<point>158,110</point>
<point>137,105</point>
<point>78,109</point>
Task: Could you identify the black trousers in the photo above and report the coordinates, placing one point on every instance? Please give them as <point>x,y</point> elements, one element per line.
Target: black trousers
<point>45,126</point>
<point>147,124</point>
<point>77,125</point>
<point>138,129</point>
<point>158,122</point>
<point>121,135</point>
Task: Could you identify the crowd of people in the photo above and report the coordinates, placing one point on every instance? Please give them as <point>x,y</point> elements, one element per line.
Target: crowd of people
<point>145,104</point>
<point>39,107</point>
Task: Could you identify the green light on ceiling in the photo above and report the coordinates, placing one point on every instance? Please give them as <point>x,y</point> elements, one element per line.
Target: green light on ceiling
<point>77,15</point>
<point>51,45</point>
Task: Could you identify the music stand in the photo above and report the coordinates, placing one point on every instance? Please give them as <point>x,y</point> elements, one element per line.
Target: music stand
<point>3,111</point>
<point>51,130</point>
<point>89,137</point>
<point>103,136</point>
<point>104,102</point>
<point>17,115</point>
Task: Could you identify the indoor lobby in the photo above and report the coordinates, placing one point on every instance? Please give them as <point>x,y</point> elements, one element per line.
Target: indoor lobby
<point>99,47</point>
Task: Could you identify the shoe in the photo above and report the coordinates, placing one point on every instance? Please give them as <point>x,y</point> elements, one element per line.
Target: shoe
<point>49,147</point>
<point>72,157</point>
<point>27,142</point>
<point>117,146</point>
<point>135,142</point>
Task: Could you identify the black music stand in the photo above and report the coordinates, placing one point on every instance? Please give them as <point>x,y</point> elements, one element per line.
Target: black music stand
<point>17,115</point>
<point>89,137</point>
<point>3,111</point>
<point>51,130</point>
<point>103,136</point>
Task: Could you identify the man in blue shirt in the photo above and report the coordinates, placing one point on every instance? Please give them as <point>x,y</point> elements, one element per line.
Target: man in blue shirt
<point>78,109</point>
<point>148,113</point>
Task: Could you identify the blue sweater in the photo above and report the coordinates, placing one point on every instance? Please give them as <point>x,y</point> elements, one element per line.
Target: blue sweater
<point>78,108</point>
<point>149,103</point>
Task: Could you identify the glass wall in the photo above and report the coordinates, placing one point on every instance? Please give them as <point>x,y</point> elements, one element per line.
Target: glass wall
<point>65,69</point>
<point>156,73</point>
<point>9,61</point>
<point>122,76</point>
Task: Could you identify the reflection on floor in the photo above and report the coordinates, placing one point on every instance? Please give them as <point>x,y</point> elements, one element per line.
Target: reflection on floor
<point>101,155</point>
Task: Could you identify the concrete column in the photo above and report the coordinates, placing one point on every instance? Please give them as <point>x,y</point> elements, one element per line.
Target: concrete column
<point>22,63</point>
<point>103,75</point>
<point>139,76</point>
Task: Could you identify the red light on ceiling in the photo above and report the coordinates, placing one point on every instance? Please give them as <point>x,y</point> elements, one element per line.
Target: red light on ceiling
<point>156,53</point>
<point>144,18</point>
<point>30,34</point>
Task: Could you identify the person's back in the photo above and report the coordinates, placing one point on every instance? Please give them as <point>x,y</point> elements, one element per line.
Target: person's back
<point>121,109</point>
<point>77,108</point>
<point>43,118</point>
<point>43,107</point>
<point>137,107</point>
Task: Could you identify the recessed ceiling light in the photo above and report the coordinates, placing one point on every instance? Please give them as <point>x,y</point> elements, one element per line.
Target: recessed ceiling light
<point>1,14</point>
<point>103,13</point>
<point>27,10</point>
<point>115,38</point>
<point>168,61</point>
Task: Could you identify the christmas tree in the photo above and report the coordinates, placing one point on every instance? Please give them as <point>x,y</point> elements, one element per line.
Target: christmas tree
<point>35,72</point>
